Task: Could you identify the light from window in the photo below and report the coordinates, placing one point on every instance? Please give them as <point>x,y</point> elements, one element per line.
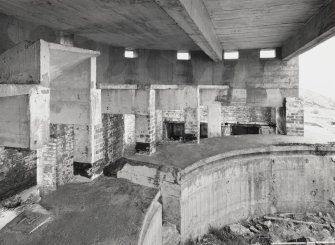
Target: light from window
<point>267,53</point>
<point>231,55</point>
<point>130,54</point>
<point>183,55</point>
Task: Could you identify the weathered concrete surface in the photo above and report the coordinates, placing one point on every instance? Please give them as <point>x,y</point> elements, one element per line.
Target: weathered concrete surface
<point>125,101</point>
<point>14,121</point>
<point>21,64</point>
<point>194,19</point>
<point>104,211</point>
<point>183,155</point>
<point>225,189</point>
<point>223,180</point>
<point>260,79</point>
<point>316,30</point>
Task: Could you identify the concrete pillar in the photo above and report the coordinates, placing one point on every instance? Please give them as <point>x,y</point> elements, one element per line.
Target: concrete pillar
<point>145,127</point>
<point>214,120</point>
<point>55,166</point>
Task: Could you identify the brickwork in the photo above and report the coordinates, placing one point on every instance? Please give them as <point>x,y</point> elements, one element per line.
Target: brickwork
<point>146,131</point>
<point>98,153</point>
<point>17,170</point>
<point>113,135</point>
<point>57,157</point>
<point>173,115</point>
<point>294,116</point>
<point>248,114</point>
<point>159,126</point>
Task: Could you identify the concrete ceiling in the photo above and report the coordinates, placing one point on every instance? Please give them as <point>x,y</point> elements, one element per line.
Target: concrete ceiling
<point>209,25</point>
<point>245,24</point>
<point>126,23</point>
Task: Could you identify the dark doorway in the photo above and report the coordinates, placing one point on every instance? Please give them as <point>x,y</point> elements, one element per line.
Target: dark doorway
<point>142,147</point>
<point>175,131</point>
<point>203,130</point>
<point>240,129</point>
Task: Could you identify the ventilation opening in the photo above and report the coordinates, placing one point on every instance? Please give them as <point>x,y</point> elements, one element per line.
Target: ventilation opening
<point>175,131</point>
<point>240,129</point>
<point>203,130</point>
<point>142,147</point>
<point>231,55</point>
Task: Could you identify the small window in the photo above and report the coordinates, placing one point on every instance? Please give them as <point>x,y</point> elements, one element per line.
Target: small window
<point>183,55</point>
<point>267,53</point>
<point>130,54</point>
<point>231,55</point>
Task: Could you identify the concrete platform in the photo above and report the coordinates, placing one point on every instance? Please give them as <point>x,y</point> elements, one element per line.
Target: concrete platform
<point>224,180</point>
<point>104,211</point>
<point>183,155</point>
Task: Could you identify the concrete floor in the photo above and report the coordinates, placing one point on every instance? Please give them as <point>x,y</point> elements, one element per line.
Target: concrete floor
<point>104,211</point>
<point>183,155</point>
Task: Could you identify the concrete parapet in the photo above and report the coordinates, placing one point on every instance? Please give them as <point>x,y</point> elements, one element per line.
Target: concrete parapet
<point>229,187</point>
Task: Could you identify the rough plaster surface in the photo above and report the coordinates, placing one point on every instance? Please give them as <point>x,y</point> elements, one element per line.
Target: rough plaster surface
<point>225,191</point>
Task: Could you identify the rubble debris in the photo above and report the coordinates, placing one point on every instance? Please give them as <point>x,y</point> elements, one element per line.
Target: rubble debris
<point>12,202</point>
<point>277,228</point>
<point>295,221</point>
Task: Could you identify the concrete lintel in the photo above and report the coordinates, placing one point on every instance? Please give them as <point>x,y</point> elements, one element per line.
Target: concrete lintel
<point>116,86</point>
<point>164,86</point>
<point>18,89</point>
<point>223,87</point>
<point>70,49</point>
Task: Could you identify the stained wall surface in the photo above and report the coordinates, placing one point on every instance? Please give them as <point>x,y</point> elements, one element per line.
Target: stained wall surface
<point>264,81</point>
<point>225,190</point>
<point>17,170</point>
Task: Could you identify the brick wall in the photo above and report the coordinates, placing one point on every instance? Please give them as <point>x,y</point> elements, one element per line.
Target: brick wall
<point>145,128</point>
<point>173,115</point>
<point>17,170</point>
<point>294,116</point>
<point>98,141</point>
<point>248,114</point>
<point>113,135</point>
<point>57,157</point>
<point>159,126</point>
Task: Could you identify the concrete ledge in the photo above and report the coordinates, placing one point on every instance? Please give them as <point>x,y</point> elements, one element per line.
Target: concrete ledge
<point>317,149</point>
<point>18,89</point>
<point>116,86</point>
<point>225,87</point>
<point>151,231</point>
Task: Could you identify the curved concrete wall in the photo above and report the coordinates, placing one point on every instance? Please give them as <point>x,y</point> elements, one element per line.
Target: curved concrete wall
<point>151,232</point>
<point>232,186</point>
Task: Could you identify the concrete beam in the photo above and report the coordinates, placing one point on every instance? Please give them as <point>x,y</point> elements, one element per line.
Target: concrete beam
<point>318,29</point>
<point>193,18</point>
<point>116,86</point>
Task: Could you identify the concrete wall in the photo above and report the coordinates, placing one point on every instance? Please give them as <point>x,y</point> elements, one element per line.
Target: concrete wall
<point>151,232</point>
<point>15,122</point>
<point>230,187</point>
<point>265,80</point>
